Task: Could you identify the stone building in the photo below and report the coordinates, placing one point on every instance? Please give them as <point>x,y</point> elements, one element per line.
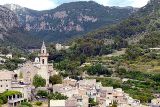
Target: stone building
<point>26,72</point>
<point>6,78</point>
<point>9,81</point>
<point>155,102</point>
<point>61,47</point>
<point>40,66</point>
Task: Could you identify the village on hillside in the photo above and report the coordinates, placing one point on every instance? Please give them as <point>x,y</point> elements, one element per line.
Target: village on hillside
<point>79,53</point>
<point>20,86</point>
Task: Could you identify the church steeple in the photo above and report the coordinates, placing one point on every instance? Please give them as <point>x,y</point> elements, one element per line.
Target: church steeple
<point>43,49</point>
<point>43,55</point>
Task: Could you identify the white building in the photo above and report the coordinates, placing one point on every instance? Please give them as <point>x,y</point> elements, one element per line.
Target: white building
<point>3,58</point>
<point>24,89</point>
<point>57,103</point>
<point>8,81</point>
<point>61,47</point>
<point>155,102</point>
<point>6,78</point>
<point>22,58</point>
<point>9,56</point>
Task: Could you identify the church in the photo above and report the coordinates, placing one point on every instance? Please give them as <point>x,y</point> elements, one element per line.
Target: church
<point>40,66</point>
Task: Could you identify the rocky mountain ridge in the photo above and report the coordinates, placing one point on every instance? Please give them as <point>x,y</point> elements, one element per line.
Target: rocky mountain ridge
<point>69,19</point>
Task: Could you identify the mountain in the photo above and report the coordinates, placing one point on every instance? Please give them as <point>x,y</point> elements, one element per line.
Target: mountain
<point>11,33</point>
<point>8,21</point>
<point>68,20</point>
<point>142,26</point>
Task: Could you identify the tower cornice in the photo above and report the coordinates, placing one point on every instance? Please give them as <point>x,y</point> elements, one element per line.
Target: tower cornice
<point>43,55</point>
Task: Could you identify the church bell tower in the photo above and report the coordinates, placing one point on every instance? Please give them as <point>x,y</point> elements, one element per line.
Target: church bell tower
<point>43,71</point>
<point>43,55</point>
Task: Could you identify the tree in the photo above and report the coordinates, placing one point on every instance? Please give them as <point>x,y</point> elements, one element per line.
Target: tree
<point>38,81</point>
<point>10,65</point>
<point>133,52</point>
<point>42,93</point>
<point>119,43</point>
<point>32,56</point>
<point>5,94</point>
<point>98,69</point>
<point>5,51</point>
<point>92,102</point>
<point>82,59</point>
<point>57,96</point>
<point>55,79</point>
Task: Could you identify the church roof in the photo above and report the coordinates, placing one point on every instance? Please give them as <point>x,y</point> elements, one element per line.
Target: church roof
<point>43,45</point>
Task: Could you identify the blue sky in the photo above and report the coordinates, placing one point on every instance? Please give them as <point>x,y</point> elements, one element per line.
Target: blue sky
<point>50,4</point>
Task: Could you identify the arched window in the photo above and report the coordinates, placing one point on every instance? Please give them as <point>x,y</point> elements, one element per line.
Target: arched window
<point>42,61</point>
<point>43,51</point>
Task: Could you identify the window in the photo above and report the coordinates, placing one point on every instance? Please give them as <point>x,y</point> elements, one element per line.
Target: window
<point>42,61</point>
<point>6,85</point>
<point>6,80</point>
<point>43,51</point>
<point>1,85</point>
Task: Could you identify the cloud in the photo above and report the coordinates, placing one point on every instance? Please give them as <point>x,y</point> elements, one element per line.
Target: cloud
<point>50,4</point>
<point>103,2</point>
<point>122,3</point>
<point>32,4</point>
<point>139,3</point>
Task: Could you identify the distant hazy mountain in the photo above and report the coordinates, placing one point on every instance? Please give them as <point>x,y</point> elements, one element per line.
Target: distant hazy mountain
<point>68,20</point>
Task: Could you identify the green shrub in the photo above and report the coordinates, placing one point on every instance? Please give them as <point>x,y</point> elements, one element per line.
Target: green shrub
<point>38,103</point>
<point>57,96</point>
<point>4,95</point>
<point>1,102</point>
<point>25,104</point>
<point>42,93</point>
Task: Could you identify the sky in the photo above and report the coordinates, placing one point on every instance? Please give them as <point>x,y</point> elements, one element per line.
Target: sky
<point>50,4</point>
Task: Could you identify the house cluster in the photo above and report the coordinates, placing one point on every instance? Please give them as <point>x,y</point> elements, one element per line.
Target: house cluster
<point>60,47</point>
<point>21,79</point>
<point>4,57</point>
<point>80,92</point>
<point>9,81</point>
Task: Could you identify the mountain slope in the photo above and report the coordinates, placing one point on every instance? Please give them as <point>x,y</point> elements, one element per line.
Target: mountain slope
<point>8,21</point>
<point>11,34</point>
<point>69,19</point>
<point>143,23</point>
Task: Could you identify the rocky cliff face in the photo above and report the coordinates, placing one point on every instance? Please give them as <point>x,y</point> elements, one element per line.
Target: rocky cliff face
<point>68,19</point>
<point>8,21</point>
